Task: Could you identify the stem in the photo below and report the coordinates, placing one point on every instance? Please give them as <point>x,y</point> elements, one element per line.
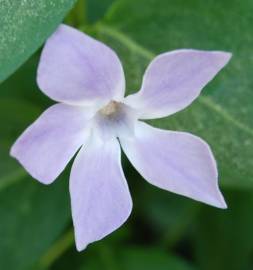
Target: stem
<point>77,15</point>
<point>81,12</point>
<point>55,251</point>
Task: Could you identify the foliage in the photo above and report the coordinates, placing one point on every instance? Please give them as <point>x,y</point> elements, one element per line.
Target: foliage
<point>165,231</point>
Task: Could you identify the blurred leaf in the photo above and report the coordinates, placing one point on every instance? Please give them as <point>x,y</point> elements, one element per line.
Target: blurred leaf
<point>134,258</point>
<point>97,9</point>
<point>170,216</point>
<point>33,216</point>
<point>97,254</point>
<point>10,171</point>
<point>223,114</point>
<point>15,116</point>
<point>56,250</point>
<point>24,27</point>
<point>22,85</point>
<point>224,239</point>
<point>137,258</point>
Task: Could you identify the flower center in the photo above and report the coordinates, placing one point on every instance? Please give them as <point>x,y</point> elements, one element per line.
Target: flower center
<point>115,119</point>
<point>111,108</point>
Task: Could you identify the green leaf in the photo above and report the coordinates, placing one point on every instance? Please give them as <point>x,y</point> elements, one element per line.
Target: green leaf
<point>24,27</point>
<point>15,116</point>
<point>97,8</point>
<point>22,85</point>
<point>132,258</point>
<point>56,250</point>
<point>167,215</point>
<point>33,216</point>
<point>10,171</point>
<point>223,114</point>
<point>223,239</point>
<point>137,258</point>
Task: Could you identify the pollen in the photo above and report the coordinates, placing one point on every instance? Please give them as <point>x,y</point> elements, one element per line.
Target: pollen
<point>111,108</point>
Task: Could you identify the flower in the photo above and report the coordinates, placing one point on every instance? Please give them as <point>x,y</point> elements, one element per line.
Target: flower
<point>86,78</point>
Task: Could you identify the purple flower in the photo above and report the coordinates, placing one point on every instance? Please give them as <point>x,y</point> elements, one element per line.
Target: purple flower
<point>86,78</point>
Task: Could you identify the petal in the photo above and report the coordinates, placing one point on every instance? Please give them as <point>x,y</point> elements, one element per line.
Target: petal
<point>173,80</point>
<point>100,198</point>
<point>77,69</point>
<point>45,148</point>
<point>175,161</point>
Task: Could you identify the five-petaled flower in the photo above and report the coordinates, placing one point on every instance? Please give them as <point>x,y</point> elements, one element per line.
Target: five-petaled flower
<point>86,78</point>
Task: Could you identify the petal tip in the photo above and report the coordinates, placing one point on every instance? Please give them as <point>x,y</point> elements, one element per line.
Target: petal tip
<point>223,204</point>
<point>68,54</point>
<point>219,201</point>
<point>215,201</point>
<point>227,56</point>
<point>222,58</point>
<point>43,180</point>
<point>12,151</point>
<point>80,247</point>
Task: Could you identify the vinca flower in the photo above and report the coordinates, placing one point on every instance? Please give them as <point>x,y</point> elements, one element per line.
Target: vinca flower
<point>93,119</point>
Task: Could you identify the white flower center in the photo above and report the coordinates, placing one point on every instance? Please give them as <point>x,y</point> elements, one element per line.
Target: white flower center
<point>116,119</point>
<point>110,109</point>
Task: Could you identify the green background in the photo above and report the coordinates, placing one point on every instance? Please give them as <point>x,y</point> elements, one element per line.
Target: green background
<point>165,231</point>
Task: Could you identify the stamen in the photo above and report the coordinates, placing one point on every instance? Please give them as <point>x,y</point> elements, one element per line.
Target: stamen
<point>110,108</point>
